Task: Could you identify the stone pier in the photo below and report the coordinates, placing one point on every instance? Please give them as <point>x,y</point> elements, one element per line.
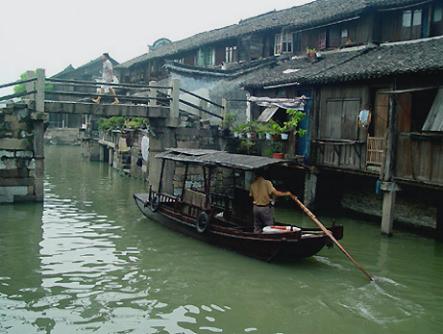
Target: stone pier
<point>21,145</point>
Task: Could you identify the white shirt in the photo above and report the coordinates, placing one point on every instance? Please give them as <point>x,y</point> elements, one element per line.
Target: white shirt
<point>107,71</point>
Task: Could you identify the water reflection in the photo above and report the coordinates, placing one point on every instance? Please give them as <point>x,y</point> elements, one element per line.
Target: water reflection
<point>89,262</point>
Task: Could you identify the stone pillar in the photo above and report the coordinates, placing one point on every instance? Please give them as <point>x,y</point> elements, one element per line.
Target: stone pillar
<point>174,115</point>
<point>160,138</point>
<point>152,92</point>
<point>389,195</point>
<point>310,188</point>
<point>111,156</point>
<point>39,117</point>
<point>102,153</point>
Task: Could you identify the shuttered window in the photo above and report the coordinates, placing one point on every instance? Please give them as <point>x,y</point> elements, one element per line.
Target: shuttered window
<point>339,120</point>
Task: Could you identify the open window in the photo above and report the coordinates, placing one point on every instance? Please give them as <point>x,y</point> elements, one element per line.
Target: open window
<point>283,43</point>
<point>231,54</point>
<point>413,26</point>
<point>206,56</point>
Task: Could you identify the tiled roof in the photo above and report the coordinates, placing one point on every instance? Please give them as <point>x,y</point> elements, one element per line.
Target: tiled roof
<point>236,70</point>
<point>311,14</point>
<point>420,56</point>
<point>70,70</point>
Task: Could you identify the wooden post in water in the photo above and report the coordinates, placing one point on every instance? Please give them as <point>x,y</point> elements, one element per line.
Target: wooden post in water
<point>389,188</point>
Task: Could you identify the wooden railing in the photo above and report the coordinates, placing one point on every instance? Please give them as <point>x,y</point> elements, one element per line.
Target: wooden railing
<point>376,151</point>
<point>21,94</point>
<point>346,154</point>
<point>419,158</point>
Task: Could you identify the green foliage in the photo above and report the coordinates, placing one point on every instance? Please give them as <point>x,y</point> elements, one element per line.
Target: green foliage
<point>277,146</point>
<point>115,122</point>
<point>246,146</point>
<point>229,120</point>
<point>311,50</point>
<point>120,122</point>
<point>135,123</point>
<point>294,119</point>
<point>21,88</point>
<point>274,128</point>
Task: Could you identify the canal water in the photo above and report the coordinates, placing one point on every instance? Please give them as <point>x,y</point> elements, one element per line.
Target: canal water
<point>88,261</point>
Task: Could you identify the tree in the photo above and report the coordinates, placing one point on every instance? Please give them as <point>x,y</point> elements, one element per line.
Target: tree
<point>21,88</point>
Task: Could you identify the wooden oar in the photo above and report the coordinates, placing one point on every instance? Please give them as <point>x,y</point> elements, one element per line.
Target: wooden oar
<point>329,234</point>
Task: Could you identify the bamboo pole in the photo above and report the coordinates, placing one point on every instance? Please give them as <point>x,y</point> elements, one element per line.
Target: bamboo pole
<point>329,234</point>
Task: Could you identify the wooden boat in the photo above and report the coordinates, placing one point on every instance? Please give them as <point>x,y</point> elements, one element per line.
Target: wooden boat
<point>225,218</point>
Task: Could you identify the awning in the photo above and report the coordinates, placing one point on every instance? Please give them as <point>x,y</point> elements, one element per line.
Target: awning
<point>296,103</point>
<point>434,121</point>
<point>267,114</point>
<point>218,158</point>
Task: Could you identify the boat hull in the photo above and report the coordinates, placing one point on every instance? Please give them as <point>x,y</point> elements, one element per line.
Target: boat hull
<point>268,248</point>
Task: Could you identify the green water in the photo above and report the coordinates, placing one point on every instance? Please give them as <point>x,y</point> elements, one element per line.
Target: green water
<point>87,261</point>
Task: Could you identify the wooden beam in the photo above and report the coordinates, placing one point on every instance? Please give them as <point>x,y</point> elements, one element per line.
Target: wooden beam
<point>105,110</point>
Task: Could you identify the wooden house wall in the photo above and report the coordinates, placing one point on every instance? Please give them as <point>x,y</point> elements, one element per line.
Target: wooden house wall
<point>268,44</point>
<point>359,32</point>
<point>189,58</point>
<point>251,47</point>
<point>420,158</point>
<point>339,108</point>
<point>339,142</point>
<point>220,54</point>
<point>392,29</point>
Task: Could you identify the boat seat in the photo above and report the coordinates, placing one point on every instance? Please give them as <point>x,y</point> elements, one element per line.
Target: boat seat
<point>194,198</point>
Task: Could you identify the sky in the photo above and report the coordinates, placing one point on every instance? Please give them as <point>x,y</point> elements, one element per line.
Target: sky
<point>52,34</point>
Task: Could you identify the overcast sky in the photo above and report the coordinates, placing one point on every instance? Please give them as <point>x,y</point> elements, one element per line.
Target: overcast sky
<point>55,33</point>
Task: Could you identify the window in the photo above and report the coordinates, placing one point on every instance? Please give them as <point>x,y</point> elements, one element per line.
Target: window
<point>417,17</point>
<point>344,33</point>
<point>407,18</point>
<point>438,14</point>
<point>283,43</point>
<point>322,40</point>
<point>231,54</point>
<point>412,24</point>
<point>412,18</point>
<point>206,57</point>
<point>338,120</point>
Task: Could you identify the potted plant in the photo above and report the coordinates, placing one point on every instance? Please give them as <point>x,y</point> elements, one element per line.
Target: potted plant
<point>228,122</point>
<point>277,150</point>
<point>246,146</point>
<point>294,119</point>
<point>311,53</point>
<point>240,130</point>
<point>261,129</point>
<point>275,130</point>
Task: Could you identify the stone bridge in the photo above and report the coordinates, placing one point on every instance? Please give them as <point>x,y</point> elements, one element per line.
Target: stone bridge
<point>22,126</point>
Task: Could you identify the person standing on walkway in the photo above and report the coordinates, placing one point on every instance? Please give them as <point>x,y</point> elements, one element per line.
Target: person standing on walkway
<point>261,191</point>
<point>107,77</point>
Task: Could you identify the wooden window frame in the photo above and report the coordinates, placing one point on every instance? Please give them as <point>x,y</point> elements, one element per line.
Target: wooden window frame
<point>231,54</point>
<point>283,43</point>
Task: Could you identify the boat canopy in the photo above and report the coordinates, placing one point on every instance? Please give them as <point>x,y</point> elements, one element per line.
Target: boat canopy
<point>218,158</point>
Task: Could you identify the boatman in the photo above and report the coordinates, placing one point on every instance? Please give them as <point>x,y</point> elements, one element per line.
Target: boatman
<point>261,191</point>
<point>108,78</point>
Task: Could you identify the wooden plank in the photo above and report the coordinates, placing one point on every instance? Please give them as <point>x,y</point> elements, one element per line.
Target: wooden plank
<point>105,110</point>
<point>437,163</point>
